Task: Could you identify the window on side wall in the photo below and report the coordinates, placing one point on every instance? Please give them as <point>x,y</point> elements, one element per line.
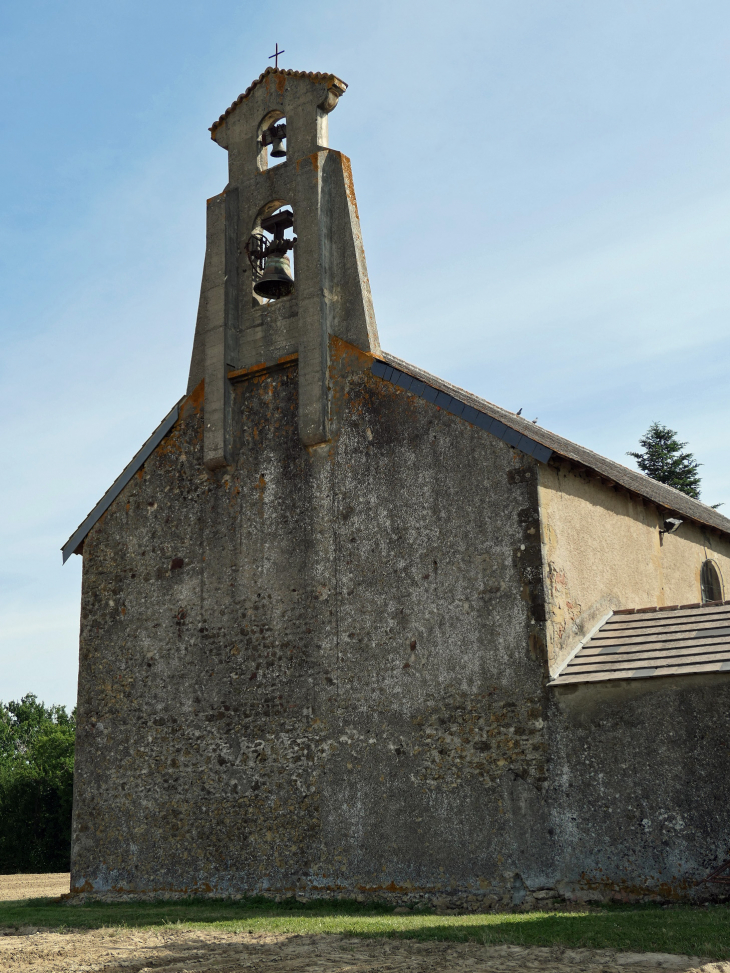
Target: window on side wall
<point>711,582</point>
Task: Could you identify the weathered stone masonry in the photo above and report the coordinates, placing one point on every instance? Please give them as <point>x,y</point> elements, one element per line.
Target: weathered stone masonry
<point>316,672</point>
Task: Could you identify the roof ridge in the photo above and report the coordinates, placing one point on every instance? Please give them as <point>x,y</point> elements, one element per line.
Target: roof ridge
<point>288,72</point>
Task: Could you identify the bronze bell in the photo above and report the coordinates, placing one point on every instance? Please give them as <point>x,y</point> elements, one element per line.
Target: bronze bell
<point>277,148</point>
<point>276,280</point>
<point>274,136</point>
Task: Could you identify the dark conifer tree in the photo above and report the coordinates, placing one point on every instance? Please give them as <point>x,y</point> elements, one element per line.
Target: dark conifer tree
<point>662,459</point>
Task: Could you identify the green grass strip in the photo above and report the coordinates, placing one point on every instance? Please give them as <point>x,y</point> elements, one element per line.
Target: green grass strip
<point>700,931</point>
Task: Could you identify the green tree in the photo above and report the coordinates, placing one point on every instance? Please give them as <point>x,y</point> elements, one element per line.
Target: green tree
<point>36,786</point>
<point>662,459</point>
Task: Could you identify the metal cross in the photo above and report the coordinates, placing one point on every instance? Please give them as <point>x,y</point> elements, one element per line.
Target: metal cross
<point>276,55</point>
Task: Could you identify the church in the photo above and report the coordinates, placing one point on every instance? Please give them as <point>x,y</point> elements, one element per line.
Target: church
<point>349,630</point>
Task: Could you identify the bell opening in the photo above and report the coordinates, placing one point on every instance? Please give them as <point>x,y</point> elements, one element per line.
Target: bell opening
<point>270,251</point>
<point>272,141</point>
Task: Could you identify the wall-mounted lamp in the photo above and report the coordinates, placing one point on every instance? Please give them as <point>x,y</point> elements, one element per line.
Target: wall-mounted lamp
<point>671,524</point>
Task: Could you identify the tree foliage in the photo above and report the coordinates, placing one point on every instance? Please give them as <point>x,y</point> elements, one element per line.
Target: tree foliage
<point>36,786</point>
<point>662,459</point>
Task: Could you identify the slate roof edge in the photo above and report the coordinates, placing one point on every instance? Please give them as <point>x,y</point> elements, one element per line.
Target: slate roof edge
<point>670,608</point>
<point>315,76</point>
<point>137,461</point>
<point>658,493</point>
<point>458,407</point>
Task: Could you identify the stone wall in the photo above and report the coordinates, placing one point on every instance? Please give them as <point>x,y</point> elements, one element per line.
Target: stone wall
<point>638,787</point>
<point>321,670</point>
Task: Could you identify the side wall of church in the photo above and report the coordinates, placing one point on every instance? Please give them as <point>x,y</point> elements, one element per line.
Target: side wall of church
<point>319,671</point>
<point>638,771</point>
<point>602,550</point>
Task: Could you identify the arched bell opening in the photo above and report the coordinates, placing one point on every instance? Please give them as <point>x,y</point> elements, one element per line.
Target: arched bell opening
<point>270,251</point>
<point>271,140</point>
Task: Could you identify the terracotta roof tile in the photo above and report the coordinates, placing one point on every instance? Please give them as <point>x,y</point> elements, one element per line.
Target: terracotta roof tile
<point>315,76</point>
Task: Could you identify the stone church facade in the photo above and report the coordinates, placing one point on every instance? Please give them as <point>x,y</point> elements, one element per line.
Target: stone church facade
<point>349,630</point>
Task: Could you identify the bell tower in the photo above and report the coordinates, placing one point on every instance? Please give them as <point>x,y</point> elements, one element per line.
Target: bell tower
<point>284,261</point>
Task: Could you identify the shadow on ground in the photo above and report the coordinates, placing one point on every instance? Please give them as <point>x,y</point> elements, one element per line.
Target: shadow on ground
<point>687,930</point>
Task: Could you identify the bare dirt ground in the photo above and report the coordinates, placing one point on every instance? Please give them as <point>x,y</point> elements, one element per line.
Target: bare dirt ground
<point>170,950</point>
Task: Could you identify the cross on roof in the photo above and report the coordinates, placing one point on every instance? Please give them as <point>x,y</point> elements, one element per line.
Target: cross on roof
<point>276,55</point>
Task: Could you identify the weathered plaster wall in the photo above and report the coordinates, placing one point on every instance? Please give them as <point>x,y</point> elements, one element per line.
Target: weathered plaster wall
<point>322,669</point>
<point>602,550</point>
<point>638,786</point>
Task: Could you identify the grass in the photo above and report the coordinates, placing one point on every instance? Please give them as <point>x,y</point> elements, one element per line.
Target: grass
<point>703,931</point>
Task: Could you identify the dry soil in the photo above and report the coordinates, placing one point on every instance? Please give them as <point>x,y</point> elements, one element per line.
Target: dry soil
<point>171,950</point>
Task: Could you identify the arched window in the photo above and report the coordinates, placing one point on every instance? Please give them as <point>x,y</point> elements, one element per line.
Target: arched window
<point>711,582</point>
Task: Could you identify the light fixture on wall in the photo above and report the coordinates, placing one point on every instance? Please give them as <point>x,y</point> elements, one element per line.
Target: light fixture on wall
<point>671,524</point>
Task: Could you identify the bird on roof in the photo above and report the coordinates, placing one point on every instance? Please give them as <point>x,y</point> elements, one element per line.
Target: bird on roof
<point>519,413</point>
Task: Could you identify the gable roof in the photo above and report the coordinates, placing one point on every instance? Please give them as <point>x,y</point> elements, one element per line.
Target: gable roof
<point>517,432</point>
<point>659,493</point>
<point>640,643</point>
<point>316,76</point>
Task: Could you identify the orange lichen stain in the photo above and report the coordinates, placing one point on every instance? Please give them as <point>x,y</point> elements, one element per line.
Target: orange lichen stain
<point>250,370</point>
<point>280,83</point>
<point>672,889</point>
<point>262,369</point>
<point>349,183</point>
<point>140,474</point>
<point>86,887</point>
<point>195,400</point>
<point>343,351</point>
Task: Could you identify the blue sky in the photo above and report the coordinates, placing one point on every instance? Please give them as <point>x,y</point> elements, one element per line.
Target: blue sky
<point>544,191</point>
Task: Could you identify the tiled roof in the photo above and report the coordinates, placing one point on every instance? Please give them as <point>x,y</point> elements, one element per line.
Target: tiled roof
<point>315,76</point>
<point>671,500</point>
<point>645,642</point>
